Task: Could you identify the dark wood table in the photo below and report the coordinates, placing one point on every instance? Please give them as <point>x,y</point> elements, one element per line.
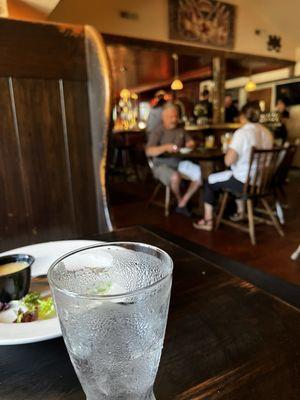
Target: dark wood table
<point>199,154</point>
<point>226,339</point>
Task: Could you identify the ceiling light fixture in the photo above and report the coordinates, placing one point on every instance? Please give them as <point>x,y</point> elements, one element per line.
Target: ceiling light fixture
<point>250,85</point>
<point>176,84</point>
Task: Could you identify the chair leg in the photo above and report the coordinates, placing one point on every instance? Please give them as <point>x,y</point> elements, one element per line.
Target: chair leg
<point>221,211</point>
<point>279,212</point>
<point>272,217</point>
<point>167,201</point>
<point>156,190</point>
<point>251,221</point>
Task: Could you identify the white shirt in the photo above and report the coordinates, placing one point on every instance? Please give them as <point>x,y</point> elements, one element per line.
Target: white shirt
<point>248,136</point>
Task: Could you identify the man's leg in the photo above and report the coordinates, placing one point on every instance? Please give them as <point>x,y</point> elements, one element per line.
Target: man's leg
<point>192,172</point>
<point>193,187</point>
<point>175,182</point>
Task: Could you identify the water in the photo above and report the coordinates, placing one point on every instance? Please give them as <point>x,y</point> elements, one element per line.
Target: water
<point>115,345</point>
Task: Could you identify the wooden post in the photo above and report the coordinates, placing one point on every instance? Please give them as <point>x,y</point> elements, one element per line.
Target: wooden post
<point>219,70</point>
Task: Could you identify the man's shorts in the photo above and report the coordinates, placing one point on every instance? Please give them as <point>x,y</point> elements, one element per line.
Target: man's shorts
<point>187,170</point>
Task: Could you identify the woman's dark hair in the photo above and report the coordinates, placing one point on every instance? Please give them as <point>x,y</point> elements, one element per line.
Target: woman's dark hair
<point>160,102</point>
<point>251,112</point>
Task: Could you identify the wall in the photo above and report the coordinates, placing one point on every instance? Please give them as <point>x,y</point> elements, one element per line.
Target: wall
<point>270,80</point>
<point>153,16</point>
<point>19,10</point>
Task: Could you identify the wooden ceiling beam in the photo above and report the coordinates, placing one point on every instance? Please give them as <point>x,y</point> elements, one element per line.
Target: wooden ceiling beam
<point>194,50</point>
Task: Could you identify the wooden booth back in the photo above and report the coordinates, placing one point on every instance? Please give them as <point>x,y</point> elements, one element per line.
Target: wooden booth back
<point>54,113</point>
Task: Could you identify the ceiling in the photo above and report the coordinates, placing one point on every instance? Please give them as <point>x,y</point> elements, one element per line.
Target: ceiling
<point>45,6</point>
<point>142,68</point>
<point>144,65</point>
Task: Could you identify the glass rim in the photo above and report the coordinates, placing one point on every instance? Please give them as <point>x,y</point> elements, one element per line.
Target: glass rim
<point>108,297</point>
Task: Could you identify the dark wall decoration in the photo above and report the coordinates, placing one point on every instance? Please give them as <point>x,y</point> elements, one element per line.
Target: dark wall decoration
<point>289,92</point>
<point>207,22</point>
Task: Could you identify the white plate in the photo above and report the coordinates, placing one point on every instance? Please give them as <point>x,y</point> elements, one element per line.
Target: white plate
<point>185,150</point>
<point>45,254</point>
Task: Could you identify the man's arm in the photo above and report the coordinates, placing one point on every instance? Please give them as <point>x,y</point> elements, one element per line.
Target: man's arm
<point>189,141</point>
<point>155,151</point>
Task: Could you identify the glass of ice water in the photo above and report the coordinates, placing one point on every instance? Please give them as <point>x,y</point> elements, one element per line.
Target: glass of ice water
<point>112,301</point>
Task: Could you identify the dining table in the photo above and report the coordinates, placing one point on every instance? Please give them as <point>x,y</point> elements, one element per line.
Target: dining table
<point>226,338</point>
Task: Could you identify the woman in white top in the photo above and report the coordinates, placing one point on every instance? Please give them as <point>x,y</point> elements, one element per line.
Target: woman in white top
<point>251,134</point>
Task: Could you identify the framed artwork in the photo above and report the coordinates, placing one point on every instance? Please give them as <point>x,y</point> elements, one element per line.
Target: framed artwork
<point>208,22</point>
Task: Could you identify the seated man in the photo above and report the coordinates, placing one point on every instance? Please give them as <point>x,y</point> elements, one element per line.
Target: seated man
<point>164,141</point>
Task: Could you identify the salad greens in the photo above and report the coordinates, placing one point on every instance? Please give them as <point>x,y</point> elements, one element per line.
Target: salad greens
<point>30,308</point>
<point>101,289</point>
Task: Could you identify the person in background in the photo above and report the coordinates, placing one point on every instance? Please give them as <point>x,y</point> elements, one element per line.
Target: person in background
<point>154,118</point>
<point>251,134</point>
<point>169,138</point>
<point>281,132</point>
<point>231,112</point>
<point>204,108</point>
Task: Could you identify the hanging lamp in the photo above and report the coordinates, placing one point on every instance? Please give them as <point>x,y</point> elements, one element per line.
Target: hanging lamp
<point>250,85</point>
<point>176,84</point>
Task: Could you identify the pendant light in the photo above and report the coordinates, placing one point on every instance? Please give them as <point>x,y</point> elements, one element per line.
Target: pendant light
<point>176,84</point>
<point>250,85</point>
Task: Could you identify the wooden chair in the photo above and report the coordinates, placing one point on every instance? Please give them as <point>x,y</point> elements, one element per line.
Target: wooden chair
<point>283,169</point>
<point>55,102</point>
<point>258,187</point>
<point>158,187</point>
<point>280,179</point>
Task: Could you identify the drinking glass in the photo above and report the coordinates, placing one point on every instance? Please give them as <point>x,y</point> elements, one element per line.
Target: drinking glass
<point>209,142</point>
<point>112,301</point>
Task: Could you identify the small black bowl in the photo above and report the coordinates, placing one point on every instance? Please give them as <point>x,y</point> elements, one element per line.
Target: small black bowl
<point>15,285</point>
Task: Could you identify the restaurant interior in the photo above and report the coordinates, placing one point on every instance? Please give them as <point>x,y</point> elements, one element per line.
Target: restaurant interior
<point>171,123</point>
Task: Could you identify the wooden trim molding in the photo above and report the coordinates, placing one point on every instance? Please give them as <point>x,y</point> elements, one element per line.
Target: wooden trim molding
<point>99,89</point>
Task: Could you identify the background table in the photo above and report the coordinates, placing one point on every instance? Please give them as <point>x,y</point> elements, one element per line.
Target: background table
<point>226,339</point>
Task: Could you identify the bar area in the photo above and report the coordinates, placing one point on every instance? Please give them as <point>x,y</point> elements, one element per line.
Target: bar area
<point>150,181</point>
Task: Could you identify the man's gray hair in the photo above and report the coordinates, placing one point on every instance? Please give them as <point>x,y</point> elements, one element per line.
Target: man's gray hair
<point>169,105</point>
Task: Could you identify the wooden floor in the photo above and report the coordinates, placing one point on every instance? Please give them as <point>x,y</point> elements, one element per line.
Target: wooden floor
<point>271,254</point>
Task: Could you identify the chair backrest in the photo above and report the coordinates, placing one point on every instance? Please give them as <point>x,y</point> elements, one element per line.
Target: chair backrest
<point>55,109</point>
<point>262,169</point>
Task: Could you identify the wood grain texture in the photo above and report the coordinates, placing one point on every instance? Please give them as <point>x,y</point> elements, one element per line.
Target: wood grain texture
<point>37,50</point>
<point>75,97</point>
<point>14,213</point>
<point>44,158</point>
<point>54,124</point>
<point>225,340</point>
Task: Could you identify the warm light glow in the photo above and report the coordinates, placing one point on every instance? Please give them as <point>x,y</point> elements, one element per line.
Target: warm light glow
<point>134,96</point>
<point>250,86</point>
<point>3,9</point>
<point>125,94</point>
<point>177,85</point>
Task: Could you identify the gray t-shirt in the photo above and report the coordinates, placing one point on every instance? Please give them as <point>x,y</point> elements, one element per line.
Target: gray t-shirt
<point>161,136</point>
<point>154,120</point>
